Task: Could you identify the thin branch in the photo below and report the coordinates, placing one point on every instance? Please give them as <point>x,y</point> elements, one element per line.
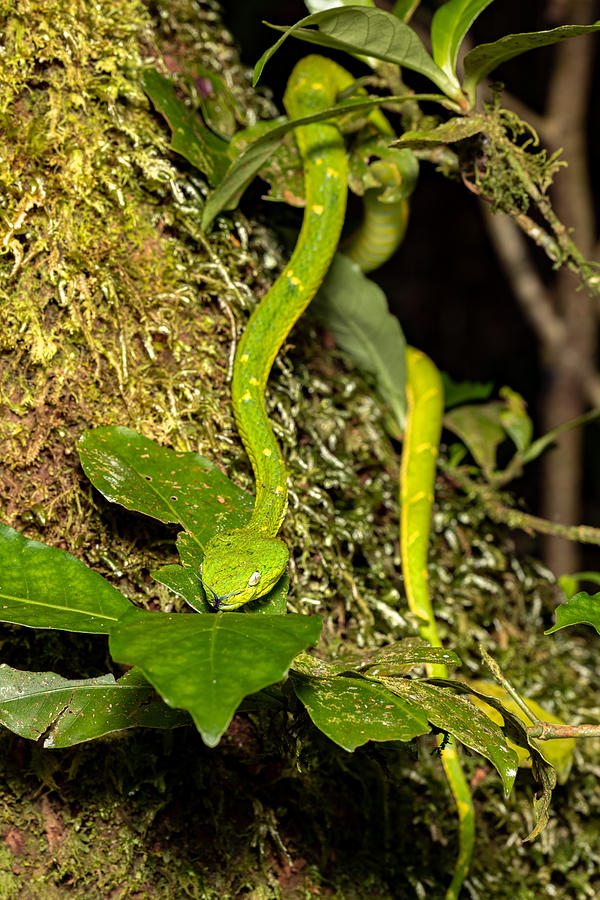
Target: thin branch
<point>515,518</point>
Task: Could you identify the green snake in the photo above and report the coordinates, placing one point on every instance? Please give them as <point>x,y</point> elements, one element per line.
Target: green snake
<point>383,229</point>
<point>243,564</point>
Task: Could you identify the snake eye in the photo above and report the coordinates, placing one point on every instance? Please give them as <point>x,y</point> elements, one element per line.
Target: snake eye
<point>254,579</point>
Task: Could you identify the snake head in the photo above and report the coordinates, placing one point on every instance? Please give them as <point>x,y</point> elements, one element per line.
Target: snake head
<point>239,567</point>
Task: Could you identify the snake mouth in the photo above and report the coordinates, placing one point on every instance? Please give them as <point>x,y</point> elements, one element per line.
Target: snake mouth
<point>215,601</point>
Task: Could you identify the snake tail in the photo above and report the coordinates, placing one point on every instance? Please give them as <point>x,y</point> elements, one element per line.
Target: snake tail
<point>243,564</point>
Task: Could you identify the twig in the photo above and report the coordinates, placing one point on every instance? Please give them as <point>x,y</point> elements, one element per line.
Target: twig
<point>515,518</point>
<point>546,731</point>
<point>505,683</point>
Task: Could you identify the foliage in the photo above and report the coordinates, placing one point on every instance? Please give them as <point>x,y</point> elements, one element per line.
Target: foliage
<point>351,702</point>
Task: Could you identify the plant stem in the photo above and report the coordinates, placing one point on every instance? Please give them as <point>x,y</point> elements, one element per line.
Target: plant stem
<point>516,518</point>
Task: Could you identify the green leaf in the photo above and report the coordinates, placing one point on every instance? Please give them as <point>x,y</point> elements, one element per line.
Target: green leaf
<point>403,9</point>
<point>189,137</point>
<point>570,583</point>
<point>463,720</point>
<point>515,420</point>
<point>42,587</point>
<point>247,165</point>
<point>480,61</point>
<point>315,6</point>
<point>582,609</point>
<point>396,658</point>
<point>456,129</point>
<point>208,664</point>
<point>456,392</point>
<point>449,25</point>
<point>171,486</point>
<point>57,712</point>
<point>184,582</point>
<point>352,711</point>
<point>355,310</point>
<point>370,32</point>
<point>479,427</point>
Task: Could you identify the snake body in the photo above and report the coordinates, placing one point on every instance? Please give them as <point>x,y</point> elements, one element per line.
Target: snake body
<point>243,564</point>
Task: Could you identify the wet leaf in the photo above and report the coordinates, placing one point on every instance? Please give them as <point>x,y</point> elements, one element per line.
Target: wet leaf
<point>582,609</point>
<point>463,720</point>
<point>449,25</point>
<point>352,711</point>
<point>171,486</point>
<point>58,712</point>
<point>370,32</point>
<point>189,136</point>
<point>456,129</point>
<point>480,61</point>
<point>356,312</point>
<point>43,587</point>
<point>208,663</point>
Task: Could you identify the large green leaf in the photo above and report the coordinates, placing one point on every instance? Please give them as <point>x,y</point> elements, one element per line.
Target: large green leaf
<point>480,61</point>
<point>582,609</point>
<point>449,25</point>
<point>208,664</point>
<point>56,712</point>
<point>355,310</point>
<point>371,32</point>
<point>352,711</point>
<point>170,486</point>
<point>189,136</point>
<point>570,583</point>
<point>42,587</point>
<point>463,720</point>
